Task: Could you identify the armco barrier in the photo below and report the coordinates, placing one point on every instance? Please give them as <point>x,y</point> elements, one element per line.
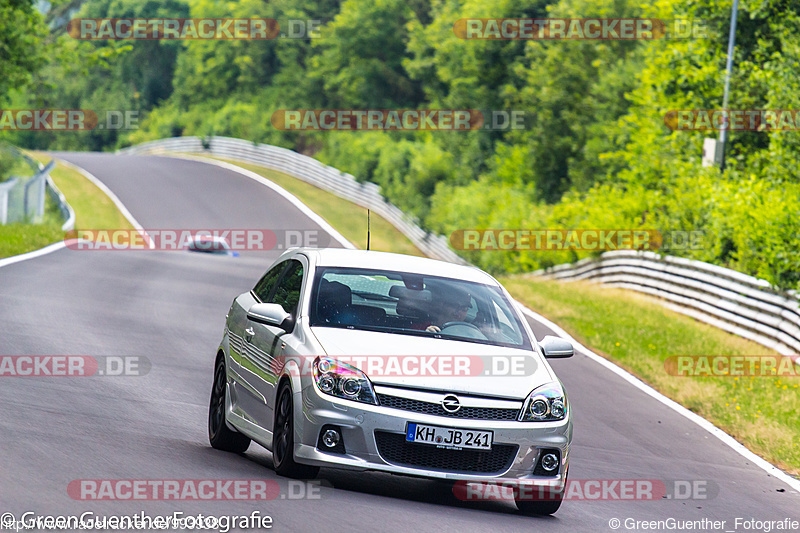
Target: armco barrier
<point>727,299</point>
<point>22,198</point>
<point>67,213</point>
<point>310,170</point>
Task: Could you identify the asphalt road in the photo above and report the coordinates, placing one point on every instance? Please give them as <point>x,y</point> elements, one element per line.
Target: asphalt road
<point>170,306</point>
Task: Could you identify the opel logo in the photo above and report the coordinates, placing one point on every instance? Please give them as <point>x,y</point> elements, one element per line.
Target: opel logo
<point>451,404</point>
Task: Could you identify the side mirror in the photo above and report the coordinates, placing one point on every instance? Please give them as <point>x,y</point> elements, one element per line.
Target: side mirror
<point>556,348</point>
<point>271,315</point>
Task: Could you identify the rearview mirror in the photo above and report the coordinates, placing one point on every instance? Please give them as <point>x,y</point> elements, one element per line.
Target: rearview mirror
<point>556,348</point>
<point>270,314</point>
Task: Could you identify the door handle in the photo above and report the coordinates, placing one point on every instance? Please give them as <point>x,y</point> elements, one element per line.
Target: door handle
<point>248,334</point>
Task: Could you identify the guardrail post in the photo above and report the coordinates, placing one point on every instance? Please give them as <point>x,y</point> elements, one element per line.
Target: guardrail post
<point>34,207</point>
<point>5,189</point>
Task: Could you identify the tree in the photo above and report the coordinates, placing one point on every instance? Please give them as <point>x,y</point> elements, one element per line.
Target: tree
<point>22,32</point>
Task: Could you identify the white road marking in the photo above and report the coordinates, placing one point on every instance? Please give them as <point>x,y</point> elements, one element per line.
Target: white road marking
<point>294,200</point>
<point>32,255</point>
<point>114,198</point>
<point>59,245</point>
<point>729,441</point>
<point>630,378</point>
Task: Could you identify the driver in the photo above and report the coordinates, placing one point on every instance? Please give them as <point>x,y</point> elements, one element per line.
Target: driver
<point>453,307</point>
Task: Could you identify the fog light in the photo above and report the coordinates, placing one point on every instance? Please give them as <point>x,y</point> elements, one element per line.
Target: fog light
<point>550,462</point>
<point>330,438</point>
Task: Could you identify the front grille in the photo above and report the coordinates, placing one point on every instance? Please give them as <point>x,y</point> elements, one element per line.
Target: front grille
<point>394,449</point>
<point>429,408</point>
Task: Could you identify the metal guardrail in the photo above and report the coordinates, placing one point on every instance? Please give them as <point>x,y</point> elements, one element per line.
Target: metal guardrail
<point>67,213</point>
<point>22,198</point>
<point>311,171</point>
<point>729,300</point>
<point>732,301</point>
<point>22,193</point>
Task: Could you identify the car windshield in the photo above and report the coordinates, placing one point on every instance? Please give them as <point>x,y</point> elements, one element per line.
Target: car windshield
<point>414,304</point>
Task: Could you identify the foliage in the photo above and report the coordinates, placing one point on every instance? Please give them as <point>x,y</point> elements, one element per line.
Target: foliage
<point>595,151</point>
<point>22,32</point>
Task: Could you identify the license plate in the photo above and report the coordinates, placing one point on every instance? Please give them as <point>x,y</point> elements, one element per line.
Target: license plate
<point>452,439</point>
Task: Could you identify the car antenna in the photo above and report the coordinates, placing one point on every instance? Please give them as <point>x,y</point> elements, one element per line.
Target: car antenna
<point>367,229</point>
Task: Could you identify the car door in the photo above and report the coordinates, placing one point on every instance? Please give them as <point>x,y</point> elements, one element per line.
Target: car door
<point>248,400</point>
<point>265,342</point>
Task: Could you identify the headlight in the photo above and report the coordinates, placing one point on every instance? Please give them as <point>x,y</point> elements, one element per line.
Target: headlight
<point>545,403</point>
<point>343,381</point>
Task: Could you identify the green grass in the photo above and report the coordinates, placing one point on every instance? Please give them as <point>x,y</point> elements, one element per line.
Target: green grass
<point>638,334</point>
<point>623,326</point>
<point>19,238</point>
<point>349,219</point>
<point>630,329</point>
<point>93,210</point>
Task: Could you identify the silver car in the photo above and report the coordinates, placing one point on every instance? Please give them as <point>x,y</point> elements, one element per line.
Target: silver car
<point>375,361</point>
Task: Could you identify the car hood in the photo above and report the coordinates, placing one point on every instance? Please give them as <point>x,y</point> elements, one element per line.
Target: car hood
<point>437,364</point>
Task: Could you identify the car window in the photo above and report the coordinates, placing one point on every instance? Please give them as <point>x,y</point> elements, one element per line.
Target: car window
<point>263,288</point>
<point>287,292</point>
<point>472,312</point>
<point>501,316</point>
<point>410,304</point>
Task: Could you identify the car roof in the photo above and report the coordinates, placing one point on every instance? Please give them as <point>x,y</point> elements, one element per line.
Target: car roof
<point>215,238</point>
<point>343,257</point>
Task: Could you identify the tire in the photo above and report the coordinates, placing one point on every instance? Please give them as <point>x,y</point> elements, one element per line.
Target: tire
<point>220,435</point>
<point>538,508</point>
<point>283,439</point>
<point>541,507</point>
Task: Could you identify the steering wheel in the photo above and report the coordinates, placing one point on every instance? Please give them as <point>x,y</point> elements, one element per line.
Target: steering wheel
<point>472,331</point>
<point>451,324</point>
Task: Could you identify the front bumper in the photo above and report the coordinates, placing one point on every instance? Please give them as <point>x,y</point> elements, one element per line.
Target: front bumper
<point>360,423</point>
